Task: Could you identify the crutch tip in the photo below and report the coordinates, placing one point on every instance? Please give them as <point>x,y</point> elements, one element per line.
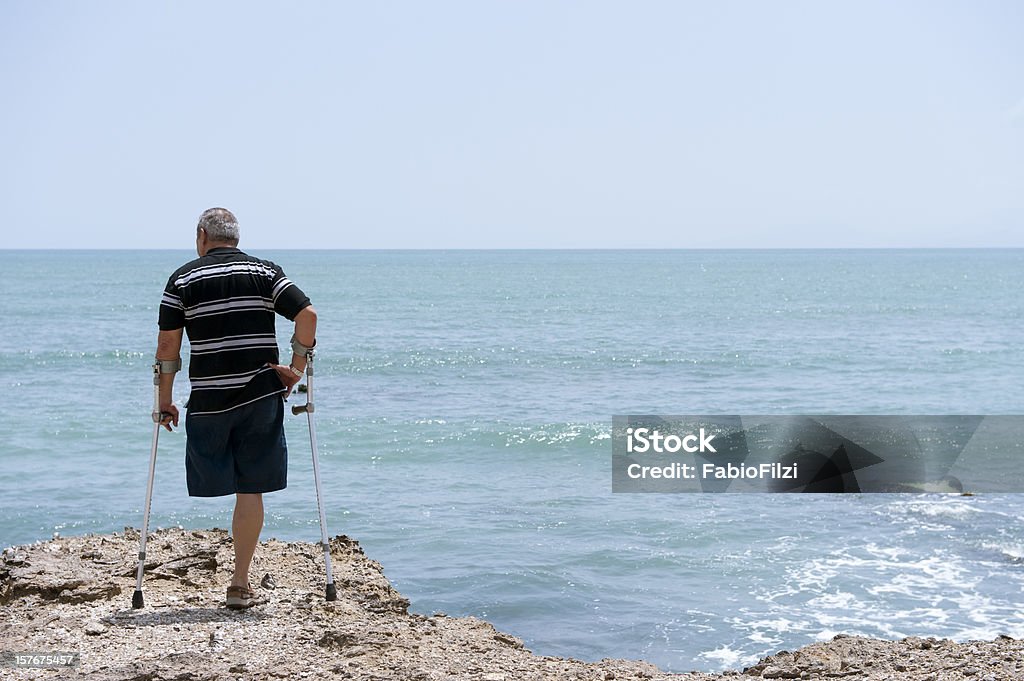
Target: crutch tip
<point>137,600</point>
<point>332,593</point>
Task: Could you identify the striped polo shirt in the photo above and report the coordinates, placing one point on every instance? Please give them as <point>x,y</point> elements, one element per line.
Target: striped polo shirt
<point>226,301</point>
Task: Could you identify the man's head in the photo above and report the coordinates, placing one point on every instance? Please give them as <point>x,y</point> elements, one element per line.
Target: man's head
<point>217,227</point>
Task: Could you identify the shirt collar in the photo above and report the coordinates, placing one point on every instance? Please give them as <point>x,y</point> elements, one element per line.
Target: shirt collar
<point>222,249</point>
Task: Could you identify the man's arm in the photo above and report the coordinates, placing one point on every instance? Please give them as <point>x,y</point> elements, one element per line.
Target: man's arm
<point>168,346</point>
<point>305,333</point>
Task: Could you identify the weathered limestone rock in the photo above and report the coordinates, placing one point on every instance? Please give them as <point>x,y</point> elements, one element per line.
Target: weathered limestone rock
<point>73,594</point>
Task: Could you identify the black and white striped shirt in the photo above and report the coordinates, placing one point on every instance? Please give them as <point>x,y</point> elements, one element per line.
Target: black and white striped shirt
<point>226,302</point>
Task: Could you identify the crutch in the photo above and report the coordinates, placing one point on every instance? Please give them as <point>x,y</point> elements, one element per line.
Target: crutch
<point>137,600</point>
<point>308,408</point>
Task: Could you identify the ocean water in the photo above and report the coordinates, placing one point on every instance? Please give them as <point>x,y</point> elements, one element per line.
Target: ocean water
<point>464,408</point>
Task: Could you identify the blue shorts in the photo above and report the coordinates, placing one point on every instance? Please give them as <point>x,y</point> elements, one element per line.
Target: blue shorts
<point>237,451</point>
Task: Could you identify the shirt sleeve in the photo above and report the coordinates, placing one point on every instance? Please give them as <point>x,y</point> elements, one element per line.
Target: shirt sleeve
<point>288,298</point>
<point>172,310</point>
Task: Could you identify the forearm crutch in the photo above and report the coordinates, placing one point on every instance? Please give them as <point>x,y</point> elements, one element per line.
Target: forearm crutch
<point>158,416</point>
<point>308,408</point>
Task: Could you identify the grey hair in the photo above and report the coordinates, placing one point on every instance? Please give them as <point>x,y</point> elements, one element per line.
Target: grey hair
<point>220,225</point>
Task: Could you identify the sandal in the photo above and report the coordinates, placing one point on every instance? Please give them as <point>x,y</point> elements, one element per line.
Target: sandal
<point>240,597</point>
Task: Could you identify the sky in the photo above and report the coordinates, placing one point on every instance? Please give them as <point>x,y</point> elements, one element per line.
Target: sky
<point>527,124</point>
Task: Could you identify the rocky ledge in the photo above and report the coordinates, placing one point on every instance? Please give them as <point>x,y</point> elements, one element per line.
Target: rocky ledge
<point>73,594</point>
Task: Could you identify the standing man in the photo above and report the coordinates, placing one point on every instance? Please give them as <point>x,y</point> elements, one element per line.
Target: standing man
<point>226,300</point>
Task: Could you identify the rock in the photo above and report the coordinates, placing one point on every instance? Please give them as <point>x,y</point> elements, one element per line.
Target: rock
<point>95,628</point>
<point>49,588</point>
<point>337,639</point>
<point>90,592</point>
<point>15,558</point>
<point>204,560</point>
<point>508,640</point>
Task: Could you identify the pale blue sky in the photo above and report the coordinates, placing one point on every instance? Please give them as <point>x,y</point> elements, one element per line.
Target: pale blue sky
<point>513,124</point>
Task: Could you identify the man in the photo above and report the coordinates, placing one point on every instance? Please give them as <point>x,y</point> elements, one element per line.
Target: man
<point>226,300</point>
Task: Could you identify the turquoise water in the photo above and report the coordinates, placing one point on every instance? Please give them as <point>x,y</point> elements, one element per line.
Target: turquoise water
<point>464,409</point>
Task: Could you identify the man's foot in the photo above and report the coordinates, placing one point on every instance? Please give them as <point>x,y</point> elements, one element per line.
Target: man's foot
<point>240,597</point>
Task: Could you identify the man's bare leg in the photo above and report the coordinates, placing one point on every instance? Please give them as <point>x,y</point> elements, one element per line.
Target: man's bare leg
<point>245,530</point>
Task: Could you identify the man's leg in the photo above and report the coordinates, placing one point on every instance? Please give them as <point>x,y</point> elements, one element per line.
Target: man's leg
<point>245,530</point>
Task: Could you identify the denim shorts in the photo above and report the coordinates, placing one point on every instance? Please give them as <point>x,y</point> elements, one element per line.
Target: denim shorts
<point>241,451</point>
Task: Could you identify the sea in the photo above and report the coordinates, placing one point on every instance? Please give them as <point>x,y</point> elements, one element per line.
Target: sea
<point>464,411</point>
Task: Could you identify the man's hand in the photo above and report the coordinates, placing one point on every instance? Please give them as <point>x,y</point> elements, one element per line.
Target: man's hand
<point>171,412</point>
<point>287,378</point>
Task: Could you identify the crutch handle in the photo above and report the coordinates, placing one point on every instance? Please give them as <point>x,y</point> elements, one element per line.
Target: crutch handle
<point>159,416</point>
<point>302,409</point>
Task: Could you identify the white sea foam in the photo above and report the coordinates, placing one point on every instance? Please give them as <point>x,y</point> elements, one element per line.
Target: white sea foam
<point>954,509</point>
<point>727,657</point>
<point>888,591</point>
<point>1011,551</point>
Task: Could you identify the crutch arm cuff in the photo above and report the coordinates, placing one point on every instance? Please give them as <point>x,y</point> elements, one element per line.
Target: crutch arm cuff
<point>300,349</point>
<point>167,366</point>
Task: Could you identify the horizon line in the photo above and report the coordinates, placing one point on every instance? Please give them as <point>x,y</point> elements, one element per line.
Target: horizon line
<point>553,249</point>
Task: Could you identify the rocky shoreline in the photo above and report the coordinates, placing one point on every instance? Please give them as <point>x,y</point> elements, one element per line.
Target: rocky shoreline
<point>73,594</point>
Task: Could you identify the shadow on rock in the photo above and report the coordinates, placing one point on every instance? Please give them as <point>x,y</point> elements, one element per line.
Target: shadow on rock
<point>132,618</point>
